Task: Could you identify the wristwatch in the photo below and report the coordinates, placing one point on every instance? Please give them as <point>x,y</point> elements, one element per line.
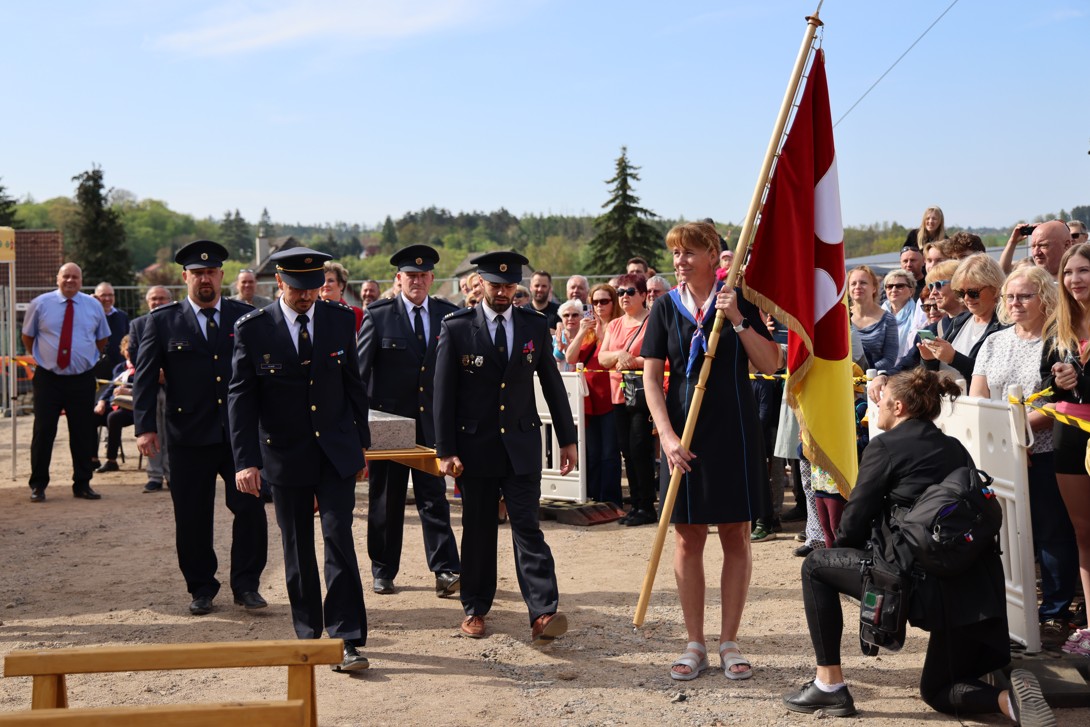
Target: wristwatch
<point>743,325</point>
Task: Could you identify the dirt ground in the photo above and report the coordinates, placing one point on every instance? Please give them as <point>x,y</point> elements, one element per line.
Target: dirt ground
<point>80,573</point>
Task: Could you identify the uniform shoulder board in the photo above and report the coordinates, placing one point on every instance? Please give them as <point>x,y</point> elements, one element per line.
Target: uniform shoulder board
<point>336,304</point>
<point>443,304</point>
<point>252,314</point>
<point>165,306</point>
<point>381,303</point>
<point>458,313</point>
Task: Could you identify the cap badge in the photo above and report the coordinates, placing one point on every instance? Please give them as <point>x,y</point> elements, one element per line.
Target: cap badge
<point>204,256</point>
<point>308,260</point>
<point>503,267</point>
<point>420,261</point>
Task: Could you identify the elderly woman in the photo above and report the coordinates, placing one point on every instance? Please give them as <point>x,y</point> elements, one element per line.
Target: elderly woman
<point>900,288</point>
<point>724,466</point>
<point>570,313</point>
<point>336,282</point>
<point>1063,369</point>
<point>1013,356</point>
<point>976,283</point>
<point>603,456</point>
<point>656,286</point>
<point>876,328</point>
<point>966,615</point>
<point>932,227</point>
<point>111,415</point>
<point>620,351</point>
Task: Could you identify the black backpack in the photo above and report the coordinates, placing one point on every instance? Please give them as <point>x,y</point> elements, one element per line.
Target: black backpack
<point>952,524</point>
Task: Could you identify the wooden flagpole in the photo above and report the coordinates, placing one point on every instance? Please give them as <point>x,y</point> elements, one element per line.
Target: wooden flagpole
<point>812,24</point>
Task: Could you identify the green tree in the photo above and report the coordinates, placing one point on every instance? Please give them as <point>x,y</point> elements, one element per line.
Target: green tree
<point>98,235</point>
<point>389,235</point>
<point>265,225</point>
<point>625,231</point>
<point>236,235</point>
<point>8,209</point>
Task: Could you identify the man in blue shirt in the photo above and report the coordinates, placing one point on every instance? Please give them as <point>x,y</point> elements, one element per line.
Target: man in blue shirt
<point>66,330</point>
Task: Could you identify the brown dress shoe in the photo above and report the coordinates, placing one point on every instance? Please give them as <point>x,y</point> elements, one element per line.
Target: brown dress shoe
<point>547,627</point>
<point>473,627</point>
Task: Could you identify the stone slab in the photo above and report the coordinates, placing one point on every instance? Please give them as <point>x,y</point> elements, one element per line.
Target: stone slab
<point>390,431</point>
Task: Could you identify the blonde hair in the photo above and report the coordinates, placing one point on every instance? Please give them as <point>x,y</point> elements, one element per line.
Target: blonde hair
<point>870,274</point>
<point>1064,325</point>
<point>942,271</point>
<point>1043,284</point>
<point>904,275</point>
<point>694,236</point>
<point>978,269</point>
<point>921,232</point>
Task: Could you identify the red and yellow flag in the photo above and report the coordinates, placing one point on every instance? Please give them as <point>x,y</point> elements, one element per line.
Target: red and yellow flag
<point>796,273</point>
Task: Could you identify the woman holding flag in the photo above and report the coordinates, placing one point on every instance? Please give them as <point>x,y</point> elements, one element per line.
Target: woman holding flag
<point>725,464</point>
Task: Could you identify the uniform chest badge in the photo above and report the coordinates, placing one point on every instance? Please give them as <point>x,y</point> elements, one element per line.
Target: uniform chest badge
<point>528,351</point>
<point>478,361</point>
<point>272,368</point>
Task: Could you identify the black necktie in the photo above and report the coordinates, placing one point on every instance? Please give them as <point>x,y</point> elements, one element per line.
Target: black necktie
<point>418,326</point>
<point>501,337</point>
<point>305,347</point>
<point>210,326</point>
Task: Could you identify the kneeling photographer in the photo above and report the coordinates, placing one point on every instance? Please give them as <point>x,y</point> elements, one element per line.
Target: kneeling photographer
<point>965,615</point>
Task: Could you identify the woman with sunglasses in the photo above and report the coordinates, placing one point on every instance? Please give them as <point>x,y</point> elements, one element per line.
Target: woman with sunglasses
<point>976,282</point>
<point>621,352</point>
<point>602,453</point>
<point>876,328</point>
<point>1013,356</point>
<point>724,466</point>
<point>1063,369</point>
<point>900,289</point>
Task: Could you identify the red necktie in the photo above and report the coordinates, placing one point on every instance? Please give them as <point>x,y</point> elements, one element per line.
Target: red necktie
<point>64,354</point>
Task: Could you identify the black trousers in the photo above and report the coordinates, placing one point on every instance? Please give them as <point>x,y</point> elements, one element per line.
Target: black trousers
<point>193,472</point>
<point>387,487</point>
<point>115,422</point>
<point>343,613</point>
<point>637,447</point>
<point>534,564</point>
<point>956,657</point>
<point>75,396</point>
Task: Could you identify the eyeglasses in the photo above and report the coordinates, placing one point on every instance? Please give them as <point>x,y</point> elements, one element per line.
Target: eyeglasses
<point>971,294</point>
<point>570,315</point>
<point>913,248</point>
<point>1019,298</point>
<point>896,286</point>
<point>937,285</point>
<point>627,291</point>
<point>928,307</point>
<point>602,301</point>
<point>522,295</point>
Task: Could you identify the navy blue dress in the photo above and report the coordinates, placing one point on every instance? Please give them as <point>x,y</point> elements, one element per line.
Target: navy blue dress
<point>729,466</point>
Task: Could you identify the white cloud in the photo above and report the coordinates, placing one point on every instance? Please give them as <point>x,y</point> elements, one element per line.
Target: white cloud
<point>244,27</point>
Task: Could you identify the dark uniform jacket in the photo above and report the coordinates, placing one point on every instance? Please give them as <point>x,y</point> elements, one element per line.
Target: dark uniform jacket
<point>283,416</point>
<point>197,373</point>
<point>896,468</point>
<point>399,379</point>
<point>485,406</point>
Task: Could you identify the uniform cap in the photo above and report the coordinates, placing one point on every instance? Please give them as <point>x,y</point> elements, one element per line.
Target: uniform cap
<point>201,254</point>
<point>500,267</point>
<point>415,259</point>
<point>301,267</point>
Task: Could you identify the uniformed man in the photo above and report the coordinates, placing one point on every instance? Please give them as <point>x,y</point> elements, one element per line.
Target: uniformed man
<point>488,435</point>
<point>397,363</point>
<point>299,412</point>
<point>191,342</point>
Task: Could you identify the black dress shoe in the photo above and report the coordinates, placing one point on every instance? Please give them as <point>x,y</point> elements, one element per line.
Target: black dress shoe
<point>447,584</point>
<point>201,605</point>
<point>810,699</point>
<point>250,600</point>
<point>37,494</point>
<point>793,515</point>
<point>352,661</point>
<point>108,466</point>
<point>385,586</point>
<point>803,550</point>
<point>86,493</point>
<point>153,487</point>
<point>641,517</point>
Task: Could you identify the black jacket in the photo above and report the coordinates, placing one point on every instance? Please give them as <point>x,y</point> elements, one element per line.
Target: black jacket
<point>964,364</point>
<point>896,468</point>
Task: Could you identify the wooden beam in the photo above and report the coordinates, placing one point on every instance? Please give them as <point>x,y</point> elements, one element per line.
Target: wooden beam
<point>226,714</point>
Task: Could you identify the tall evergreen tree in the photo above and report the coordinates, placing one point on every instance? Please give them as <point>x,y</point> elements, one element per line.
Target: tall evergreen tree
<point>389,235</point>
<point>98,236</point>
<point>624,231</point>
<point>7,209</point>
<point>236,235</point>
<point>265,224</point>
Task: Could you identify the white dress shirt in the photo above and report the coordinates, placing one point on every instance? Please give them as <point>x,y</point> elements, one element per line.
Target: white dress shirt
<point>411,312</point>
<point>492,317</point>
<point>201,317</point>
<point>292,319</point>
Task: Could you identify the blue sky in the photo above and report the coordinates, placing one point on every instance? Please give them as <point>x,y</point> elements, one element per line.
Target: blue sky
<point>332,110</point>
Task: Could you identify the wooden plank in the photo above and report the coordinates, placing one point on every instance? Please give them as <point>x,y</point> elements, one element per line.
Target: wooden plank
<point>48,692</point>
<point>301,686</point>
<point>226,714</point>
<point>418,457</point>
<point>155,657</point>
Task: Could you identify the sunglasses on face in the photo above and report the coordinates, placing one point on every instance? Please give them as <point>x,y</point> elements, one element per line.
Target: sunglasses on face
<point>928,307</point>
<point>937,285</point>
<point>601,301</point>
<point>627,291</point>
<point>973,294</point>
<point>521,295</point>
<point>570,315</point>
<point>896,286</point>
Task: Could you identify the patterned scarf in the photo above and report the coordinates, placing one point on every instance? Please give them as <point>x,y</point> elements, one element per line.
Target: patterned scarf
<point>687,306</point>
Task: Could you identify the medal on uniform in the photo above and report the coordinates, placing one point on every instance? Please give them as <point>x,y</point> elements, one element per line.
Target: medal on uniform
<point>528,350</point>
<point>479,361</point>
<point>465,360</point>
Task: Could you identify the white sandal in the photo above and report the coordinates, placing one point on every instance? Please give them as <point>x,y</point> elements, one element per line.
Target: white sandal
<point>690,659</point>
<point>736,659</point>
